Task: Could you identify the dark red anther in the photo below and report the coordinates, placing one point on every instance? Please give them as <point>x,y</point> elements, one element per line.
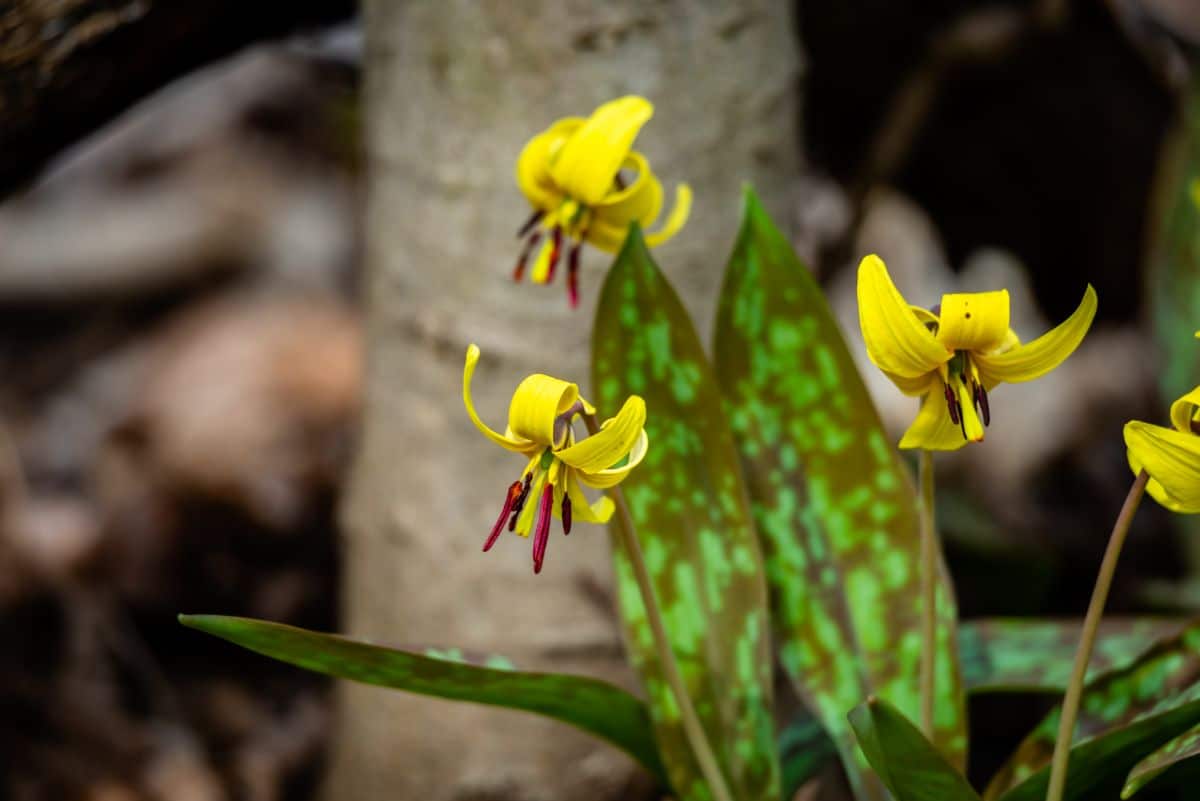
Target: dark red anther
<point>514,492</point>
<point>533,220</point>
<point>555,250</point>
<point>526,251</point>
<point>566,514</point>
<point>520,503</point>
<point>573,275</point>
<point>951,404</point>
<point>541,529</point>
<point>981,403</point>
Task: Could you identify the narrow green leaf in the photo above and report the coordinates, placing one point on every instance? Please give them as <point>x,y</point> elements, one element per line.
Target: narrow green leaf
<point>1124,716</point>
<point>1174,273</point>
<point>1018,655</point>
<point>1174,754</point>
<point>689,507</point>
<point>836,509</point>
<point>595,706</point>
<point>910,766</point>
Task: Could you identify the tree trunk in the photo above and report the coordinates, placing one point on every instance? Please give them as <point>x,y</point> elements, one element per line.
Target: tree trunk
<point>454,89</point>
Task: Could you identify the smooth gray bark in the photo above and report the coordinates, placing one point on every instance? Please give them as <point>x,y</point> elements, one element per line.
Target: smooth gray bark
<point>454,89</point>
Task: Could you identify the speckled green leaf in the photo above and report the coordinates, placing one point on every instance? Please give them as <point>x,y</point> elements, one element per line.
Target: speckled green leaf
<point>692,519</point>
<point>1018,655</point>
<point>1182,749</point>
<point>1175,265</point>
<point>835,506</point>
<point>910,766</point>
<point>595,706</point>
<point>1125,715</point>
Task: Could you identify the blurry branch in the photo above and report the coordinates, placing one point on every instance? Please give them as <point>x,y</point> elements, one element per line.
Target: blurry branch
<point>69,66</point>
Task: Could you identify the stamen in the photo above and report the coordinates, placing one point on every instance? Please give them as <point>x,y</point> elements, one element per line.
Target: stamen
<point>533,220</point>
<point>981,403</point>
<point>951,404</point>
<point>563,422</point>
<point>515,491</point>
<point>519,272</point>
<point>566,514</point>
<point>555,250</point>
<point>520,502</point>
<point>541,529</point>
<point>573,273</point>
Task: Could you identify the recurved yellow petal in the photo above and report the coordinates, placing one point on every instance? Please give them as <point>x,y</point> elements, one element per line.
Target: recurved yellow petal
<point>533,165</point>
<point>640,201</point>
<point>1183,411</point>
<point>613,442</point>
<point>933,430</point>
<point>915,387</point>
<point>1035,359</point>
<point>598,512</point>
<point>535,408</point>
<point>676,219</point>
<point>897,341</point>
<point>512,443</point>
<point>1172,458</point>
<point>611,476</point>
<point>587,162</point>
<point>973,320</point>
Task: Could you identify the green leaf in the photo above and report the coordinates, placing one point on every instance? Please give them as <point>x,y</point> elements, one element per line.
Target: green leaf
<point>1017,655</point>
<point>595,706</point>
<point>836,508</point>
<point>1174,273</point>
<point>1174,754</point>
<point>910,766</point>
<point>689,507</point>
<point>1124,716</point>
<point>804,750</point>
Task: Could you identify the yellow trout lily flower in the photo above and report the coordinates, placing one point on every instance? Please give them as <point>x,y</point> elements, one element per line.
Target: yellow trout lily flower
<point>1171,456</point>
<point>586,183</point>
<point>955,354</point>
<point>541,428</point>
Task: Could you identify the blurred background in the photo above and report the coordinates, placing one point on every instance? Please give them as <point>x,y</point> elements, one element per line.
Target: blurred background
<point>182,369</point>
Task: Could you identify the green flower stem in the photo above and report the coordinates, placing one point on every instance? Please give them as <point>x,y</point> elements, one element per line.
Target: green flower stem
<point>928,594</point>
<point>1087,639</point>
<point>692,729</point>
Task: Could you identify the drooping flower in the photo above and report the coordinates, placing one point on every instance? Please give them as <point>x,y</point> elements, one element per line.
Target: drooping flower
<point>541,427</point>
<point>586,183</point>
<point>1171,456</point>
<point>953,355</point>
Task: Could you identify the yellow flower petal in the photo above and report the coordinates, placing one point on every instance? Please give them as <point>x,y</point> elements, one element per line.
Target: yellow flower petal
<point>1027,362</point>
<point>611,443</point>
<point>535,408</point>
<point>533,165</point>
<point>1183,411</point>
<point>676,219</point>
<point>897,341</point>
<point>525,518</point>
<point>611,476</point>
<point>973,320</point>
<point>933,430</point>
<point>512,443</point>
<point>587,162</point>
<point>640,201</point>
<point>915,387</point>
<point>598,512</point>
<point>1172,459</point>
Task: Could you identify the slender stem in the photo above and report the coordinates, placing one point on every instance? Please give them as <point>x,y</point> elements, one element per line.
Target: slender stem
<point>705,757</point>
<point>928,594</point>
<point>1087,639</point>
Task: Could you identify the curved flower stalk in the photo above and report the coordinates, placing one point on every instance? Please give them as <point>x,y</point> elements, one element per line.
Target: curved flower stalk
<point>1170,456</point>
<point>541,421</point>
<point>586,183</point>
<point>955,354</point>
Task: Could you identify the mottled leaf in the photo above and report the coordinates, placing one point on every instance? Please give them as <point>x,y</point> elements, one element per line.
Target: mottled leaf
<point>690,511</point>
<point>1018,655</point>
<point>836,508</point>
<point>804,750</point>
<point>595,706</point>
<point>1175,266</point>
<point>1182,749</point>
<point>1125,715</point>
<point>910,766</point>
